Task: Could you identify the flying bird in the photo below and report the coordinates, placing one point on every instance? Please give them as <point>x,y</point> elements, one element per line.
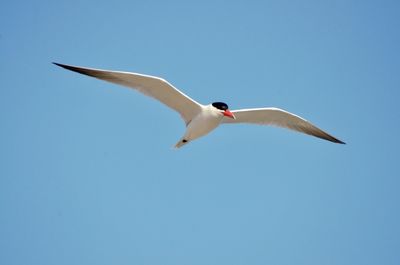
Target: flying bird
<point>201,119</point>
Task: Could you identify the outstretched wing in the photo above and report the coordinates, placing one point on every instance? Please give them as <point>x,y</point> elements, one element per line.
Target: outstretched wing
<point>152,86</point>
<point>280,118</point>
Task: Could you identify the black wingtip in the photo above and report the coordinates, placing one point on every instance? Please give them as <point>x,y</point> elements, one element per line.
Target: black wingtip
<point>337,141</point>
<point>60,65</point>
<point>80,70</point>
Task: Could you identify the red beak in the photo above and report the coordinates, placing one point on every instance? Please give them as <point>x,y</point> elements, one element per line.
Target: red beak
<point>229,114</point>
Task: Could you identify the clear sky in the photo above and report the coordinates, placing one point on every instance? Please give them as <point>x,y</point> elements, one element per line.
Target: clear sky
<point>87,170</point>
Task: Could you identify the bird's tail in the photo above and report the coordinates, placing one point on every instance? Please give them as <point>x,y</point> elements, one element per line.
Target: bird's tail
<point>181,143</point>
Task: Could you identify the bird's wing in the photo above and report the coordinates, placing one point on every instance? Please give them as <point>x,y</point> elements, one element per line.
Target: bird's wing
<point>280,118</point>
<point>152,86</point>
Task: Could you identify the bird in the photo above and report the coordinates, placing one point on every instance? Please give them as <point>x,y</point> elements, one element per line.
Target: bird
<point>202,119</point>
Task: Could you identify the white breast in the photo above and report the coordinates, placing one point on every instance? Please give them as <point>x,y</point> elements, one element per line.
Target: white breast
<point>206,121</point>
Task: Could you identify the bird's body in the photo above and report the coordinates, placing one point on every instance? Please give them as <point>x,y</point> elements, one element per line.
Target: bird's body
<point>204,122</point>
<point>201,119</point>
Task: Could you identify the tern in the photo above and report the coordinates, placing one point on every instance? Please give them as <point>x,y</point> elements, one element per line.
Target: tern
<point>201,119</point>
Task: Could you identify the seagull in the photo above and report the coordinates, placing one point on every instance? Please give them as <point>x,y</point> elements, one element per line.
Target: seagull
<point>202,119</point>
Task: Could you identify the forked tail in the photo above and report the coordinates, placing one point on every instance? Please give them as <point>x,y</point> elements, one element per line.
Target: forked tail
<point>181,143</point>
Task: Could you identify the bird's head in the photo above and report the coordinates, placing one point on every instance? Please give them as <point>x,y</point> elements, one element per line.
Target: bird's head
<point>223,108</point>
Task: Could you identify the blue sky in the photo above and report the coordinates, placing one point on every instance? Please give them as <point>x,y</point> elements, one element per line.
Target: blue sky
<point>87,172</point>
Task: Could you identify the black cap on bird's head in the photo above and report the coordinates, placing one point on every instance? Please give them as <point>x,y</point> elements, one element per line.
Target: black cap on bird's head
<point>224,107</point>
<point>220,105</point>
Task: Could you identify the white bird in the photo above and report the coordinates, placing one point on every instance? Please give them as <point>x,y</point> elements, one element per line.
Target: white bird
<point>202,119</point>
